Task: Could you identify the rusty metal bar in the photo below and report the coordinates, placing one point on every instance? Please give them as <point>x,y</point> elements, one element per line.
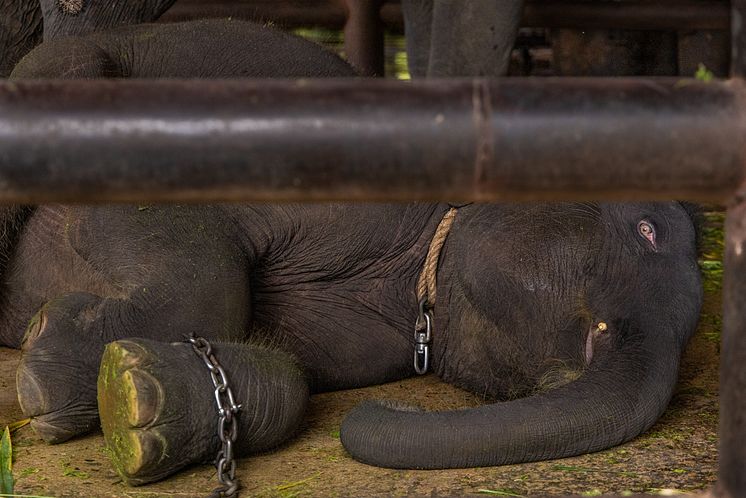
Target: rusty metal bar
<point>732,429</point>
<point>582,14</point>
<point>515,139</point>
<point>732,440</point>
<point>738,37</point>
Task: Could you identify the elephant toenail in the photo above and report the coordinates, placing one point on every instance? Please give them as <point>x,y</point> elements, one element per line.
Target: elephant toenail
<point>145,451</point>
<point>30,395</point>
<point>143,396</point>
<point>124,355</point>
<point>35,329</point>
<point>50,433</point>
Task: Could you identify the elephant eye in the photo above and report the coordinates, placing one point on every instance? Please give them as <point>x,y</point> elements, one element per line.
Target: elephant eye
<point>647,231</point>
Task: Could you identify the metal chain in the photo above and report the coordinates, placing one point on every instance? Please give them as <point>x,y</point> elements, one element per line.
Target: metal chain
<point>227,420</point>
<point>423,335</point>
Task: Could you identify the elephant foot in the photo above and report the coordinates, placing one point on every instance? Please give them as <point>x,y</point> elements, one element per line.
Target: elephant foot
<point>148,393</point>
<point>157,404</point>
<point>56,377</point>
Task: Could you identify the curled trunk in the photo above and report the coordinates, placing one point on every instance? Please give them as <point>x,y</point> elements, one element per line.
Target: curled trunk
<point>617,398</point>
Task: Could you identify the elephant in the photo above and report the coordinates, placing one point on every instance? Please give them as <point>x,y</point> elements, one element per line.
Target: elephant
<point>568,318</point>
<point>25,23</point>
<point>454,38</point>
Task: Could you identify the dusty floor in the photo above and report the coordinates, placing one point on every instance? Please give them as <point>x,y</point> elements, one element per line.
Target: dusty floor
<point>678,453</point>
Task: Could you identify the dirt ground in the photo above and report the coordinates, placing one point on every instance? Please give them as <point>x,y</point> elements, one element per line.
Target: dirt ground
<point>679,454</point>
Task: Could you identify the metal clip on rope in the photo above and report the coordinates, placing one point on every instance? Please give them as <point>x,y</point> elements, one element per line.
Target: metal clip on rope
<point>423,329</point>
<point>227,419</point>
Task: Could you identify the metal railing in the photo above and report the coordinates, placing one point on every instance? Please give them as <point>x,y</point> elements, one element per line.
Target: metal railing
<point>462,140</point>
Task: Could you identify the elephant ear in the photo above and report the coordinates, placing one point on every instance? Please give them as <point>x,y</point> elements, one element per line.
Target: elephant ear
<point>77,17</point>
<point>697,215</point>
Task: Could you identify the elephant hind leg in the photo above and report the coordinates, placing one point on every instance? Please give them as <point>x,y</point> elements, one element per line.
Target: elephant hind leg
<point>158,410</point>
<point>56,376</point>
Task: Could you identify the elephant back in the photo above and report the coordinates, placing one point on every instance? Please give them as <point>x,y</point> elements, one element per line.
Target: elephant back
<point>210,48</point>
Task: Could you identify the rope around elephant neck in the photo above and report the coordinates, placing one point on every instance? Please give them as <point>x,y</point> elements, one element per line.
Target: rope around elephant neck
<point>426,290</point>
<point>426,284</point>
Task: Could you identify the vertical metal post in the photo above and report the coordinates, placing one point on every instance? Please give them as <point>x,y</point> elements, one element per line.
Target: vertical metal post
<point>732,478</point>
<point>738,37</point>
<point>732,458</point>
<point>364,36</point>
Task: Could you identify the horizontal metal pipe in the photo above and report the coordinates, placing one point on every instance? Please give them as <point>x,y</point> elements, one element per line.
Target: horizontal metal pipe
<point>581,14</point>
<point>355,139</point>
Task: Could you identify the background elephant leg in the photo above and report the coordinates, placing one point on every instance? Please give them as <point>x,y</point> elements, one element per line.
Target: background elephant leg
<point>158,409</point>
<point>418,19</point>
<point>472,38</point>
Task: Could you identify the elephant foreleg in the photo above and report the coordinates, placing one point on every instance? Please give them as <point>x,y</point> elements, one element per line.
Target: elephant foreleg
<point>158,408</point>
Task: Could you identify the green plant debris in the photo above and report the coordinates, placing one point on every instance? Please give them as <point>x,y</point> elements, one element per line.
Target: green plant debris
<point>592,492</point>
<point>713,325</point>
<point>334,434</point>
<point>290,489</point>
<point>69,471</point>
<point>6,463</point>
<point>28,471</point>
<point>703,74</point>
<point>666,492</point>
<point>331,38</point>
<point>18,424</point>
<point>712,271</point>
<point>712,246</point>
<point>499,492</point>
<point>572,468</point>
<point>289,485</point>
<point>10,495</point>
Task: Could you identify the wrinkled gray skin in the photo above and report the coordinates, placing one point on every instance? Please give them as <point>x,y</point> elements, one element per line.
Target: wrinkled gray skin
<point>455,38</point>
<point>327,293</point>
<point>25,23</point>
<point>20,31</point>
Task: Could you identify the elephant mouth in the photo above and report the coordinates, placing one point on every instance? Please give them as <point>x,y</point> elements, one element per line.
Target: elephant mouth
<point>596,331</point>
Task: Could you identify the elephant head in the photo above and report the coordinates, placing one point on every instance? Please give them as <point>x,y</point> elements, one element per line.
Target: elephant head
<point>24,23</point>
<point>77,17</point>
<point>572,316</point>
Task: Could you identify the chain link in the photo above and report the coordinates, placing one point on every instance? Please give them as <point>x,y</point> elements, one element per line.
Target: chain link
<point>423,336</point>
<point>227,419</point>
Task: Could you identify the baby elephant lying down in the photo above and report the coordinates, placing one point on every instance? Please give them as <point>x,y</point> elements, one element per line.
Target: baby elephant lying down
<point>571,317</point>
<point>600,297</point>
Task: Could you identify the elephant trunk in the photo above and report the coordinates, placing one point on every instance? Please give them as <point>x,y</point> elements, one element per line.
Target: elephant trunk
<point>618,397</point>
